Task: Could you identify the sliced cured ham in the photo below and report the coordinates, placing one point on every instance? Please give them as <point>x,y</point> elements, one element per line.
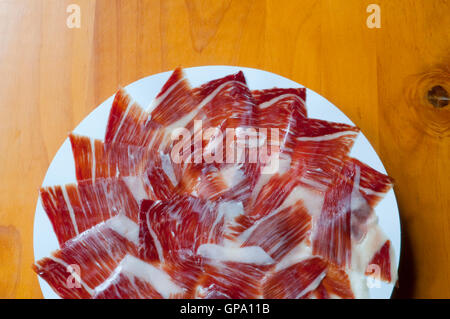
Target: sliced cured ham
<point>315,158</point>
<point>217,192</point>
<point>332,237</point>
<point>206,89</point>
<point>175,100</point>
<point>232,273</point>
<point>226,104</point>
<point>346,209</point>
<point>321,147</point>
<point>279,232</point>
<point>281,99</point>
<point>280,109</point>
<point>219,182</point>
<point>128,123</point>
<point>95,159</point>
<point>136,279</point>
<point>295,281</point>
<point>273,194</point>
<point>75,208</point>
<point>382,260</point>
<point>231,280</point>
<point>373,185</point>
<point>159,181</point>
<point>229,105</point>
<point>171,231</point>
<point>336,284</point>
<point>87,260</point>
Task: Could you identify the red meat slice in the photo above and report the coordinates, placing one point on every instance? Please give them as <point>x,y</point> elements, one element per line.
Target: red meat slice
<point>382,259</point>
<point>94,159</point>
<point>206,89</point>
<point>128,123</point>
<point>226,103</point>
<point>335,284</point>
<point>171,231</point>
<point>74,208</point>
<point>347,207</point>
<point>231,280</point>
<point>295,281</point>
<point>175,100</point>
<point>136,279</point>
<point>332,238</point>
<point>93,255</point>
<point>280,232</point>
<point>320,148</point>
<point>280,109</point>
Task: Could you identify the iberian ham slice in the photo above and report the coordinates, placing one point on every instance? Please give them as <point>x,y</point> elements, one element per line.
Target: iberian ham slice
<point>75,208</point>
<point>382,260</point>
<point>171,231</point>
<point>95,159</point>
<point>136,279</point>
<point>88,260</point>
<point>295,281</point>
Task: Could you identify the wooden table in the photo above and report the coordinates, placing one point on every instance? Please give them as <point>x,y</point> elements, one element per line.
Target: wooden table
<point>391,81</point>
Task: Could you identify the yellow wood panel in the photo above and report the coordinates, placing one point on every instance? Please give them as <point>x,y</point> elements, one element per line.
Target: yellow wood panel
<point>53,76</point>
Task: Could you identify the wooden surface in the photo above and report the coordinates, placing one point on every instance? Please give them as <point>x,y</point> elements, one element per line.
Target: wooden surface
<point>53,76</point>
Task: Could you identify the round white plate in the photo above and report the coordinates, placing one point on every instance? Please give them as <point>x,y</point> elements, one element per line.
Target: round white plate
<point>61,170</point>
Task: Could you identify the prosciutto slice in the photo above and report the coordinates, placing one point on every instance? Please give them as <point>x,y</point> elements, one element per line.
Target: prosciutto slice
<point>231,272</point>
<point>136,279</point>
<point>87,260</point>
<point>280,109</point>
<point>295,281</point>
<point>231,280</point>
<point>128,123</point>
<point>75,208</point>
<point>381,259</point>
<point>95,159</point>
<point>159,181</point>
<point>174,102</point>
<point>336,284</point>
<point>321,146</point>
<point>279,232</point>
<point>171,231</point>
<point>346,209</point>
<point>226,104</point>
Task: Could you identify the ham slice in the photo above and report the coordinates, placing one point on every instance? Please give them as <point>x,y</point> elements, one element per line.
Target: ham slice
<point>75,208</point>
<point>136,279</point>
<point>295,281</point>
<point>347,207</point>
<point>232,272</point>
<point>95,159</point>
<point>128,123</point>
<point>175,100</point>
<point>336,284</point>
<point>171,231</point>
<point>321,146</point>
<point>381,259</point>
<point>87,260</point>
<point>279,232</point>
<point>226,104</point>
<point>231,280</point>
<point>280,109</point>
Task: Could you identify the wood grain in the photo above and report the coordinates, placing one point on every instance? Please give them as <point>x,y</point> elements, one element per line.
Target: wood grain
<point>53,76</point>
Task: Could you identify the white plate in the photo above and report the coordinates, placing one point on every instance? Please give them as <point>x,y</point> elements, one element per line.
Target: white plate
<point>61,170</point>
